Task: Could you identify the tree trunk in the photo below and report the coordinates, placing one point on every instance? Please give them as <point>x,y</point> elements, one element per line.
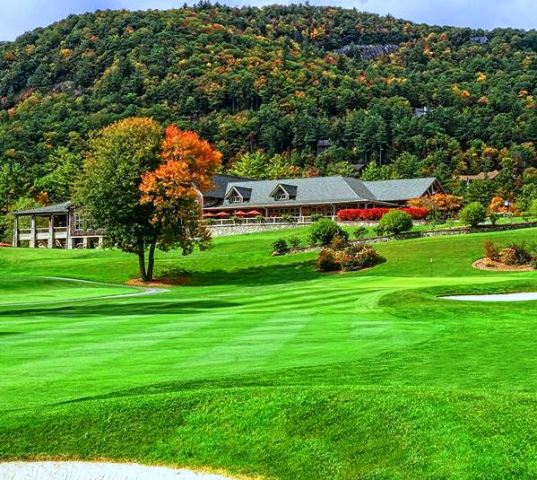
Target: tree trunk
<point>141,263</point>
<point>151,260</point>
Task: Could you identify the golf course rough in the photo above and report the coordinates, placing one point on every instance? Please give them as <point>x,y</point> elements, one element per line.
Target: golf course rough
<point>262,366</point>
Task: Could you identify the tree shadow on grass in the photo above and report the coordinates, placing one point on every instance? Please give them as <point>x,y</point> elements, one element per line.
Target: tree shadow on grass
<point>253,276</point>
<point>109,309</point>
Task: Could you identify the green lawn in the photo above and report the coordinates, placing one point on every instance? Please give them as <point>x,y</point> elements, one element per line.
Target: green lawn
<point>262,366</point>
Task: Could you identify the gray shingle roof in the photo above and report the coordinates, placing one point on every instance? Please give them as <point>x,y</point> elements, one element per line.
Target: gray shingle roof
<point>397,190</point>
<point>319,190</point>
<point>221,182</point>
<point>308,191</point>
<point>60,208</point>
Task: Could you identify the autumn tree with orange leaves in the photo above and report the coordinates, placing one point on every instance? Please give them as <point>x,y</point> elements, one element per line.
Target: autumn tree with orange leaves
<point>173,191</point>
<point>144,189</point>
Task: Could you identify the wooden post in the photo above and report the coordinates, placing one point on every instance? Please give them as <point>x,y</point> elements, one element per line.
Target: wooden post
<point>33,233</point>
<point>50,241</point>
<point>16,232</point>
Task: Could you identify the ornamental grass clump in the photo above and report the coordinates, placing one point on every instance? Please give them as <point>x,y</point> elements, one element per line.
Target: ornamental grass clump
<point>514,253</point>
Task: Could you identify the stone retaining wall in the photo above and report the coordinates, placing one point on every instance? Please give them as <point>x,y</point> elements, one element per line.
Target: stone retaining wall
<point>227,230</point>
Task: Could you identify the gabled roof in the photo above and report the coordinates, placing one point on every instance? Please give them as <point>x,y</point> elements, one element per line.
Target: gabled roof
<point>398,190</point>
<point>221,182</point>
<point>244,192</point>
<point>289,189</point>
<point>59,208</point>
<point>308,191</point>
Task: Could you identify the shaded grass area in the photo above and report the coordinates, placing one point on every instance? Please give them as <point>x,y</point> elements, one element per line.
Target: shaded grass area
<point>264,366</point>
<point>320,432</point>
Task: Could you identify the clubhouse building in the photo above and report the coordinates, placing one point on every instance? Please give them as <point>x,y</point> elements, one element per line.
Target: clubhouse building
<point>302,197</point>
<point>232,198</point>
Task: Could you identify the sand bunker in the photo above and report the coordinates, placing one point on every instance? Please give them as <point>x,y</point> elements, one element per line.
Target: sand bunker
<point>500,297</point>
<point>96,471</point>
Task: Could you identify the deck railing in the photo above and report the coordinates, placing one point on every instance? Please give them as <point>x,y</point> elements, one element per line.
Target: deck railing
<point>230,222</point>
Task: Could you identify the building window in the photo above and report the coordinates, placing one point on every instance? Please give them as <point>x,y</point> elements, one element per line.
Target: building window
<point>235,199</point>
<point>280,196</point>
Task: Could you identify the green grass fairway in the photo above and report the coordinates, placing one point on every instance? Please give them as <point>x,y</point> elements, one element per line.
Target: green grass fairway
<point>262,366</point>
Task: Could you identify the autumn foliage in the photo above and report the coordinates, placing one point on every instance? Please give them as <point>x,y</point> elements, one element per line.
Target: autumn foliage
<point>189,164</point>
<point>173,189</point>
<point>440,202</point>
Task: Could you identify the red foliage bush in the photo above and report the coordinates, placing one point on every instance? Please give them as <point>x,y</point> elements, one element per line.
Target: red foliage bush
<point>351,214</point>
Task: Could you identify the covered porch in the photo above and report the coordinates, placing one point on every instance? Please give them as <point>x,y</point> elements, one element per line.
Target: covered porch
<point>54,226</point>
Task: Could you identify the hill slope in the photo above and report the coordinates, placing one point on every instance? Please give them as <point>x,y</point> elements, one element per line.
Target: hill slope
<point>277,79</point>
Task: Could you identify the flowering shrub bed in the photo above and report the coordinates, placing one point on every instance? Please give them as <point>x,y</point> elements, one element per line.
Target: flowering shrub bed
<point>512,254</point>
<point>348,259</point>
<point>351,214</point>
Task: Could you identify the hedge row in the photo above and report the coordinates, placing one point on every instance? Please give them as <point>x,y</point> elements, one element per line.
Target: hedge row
<point>351,214</point>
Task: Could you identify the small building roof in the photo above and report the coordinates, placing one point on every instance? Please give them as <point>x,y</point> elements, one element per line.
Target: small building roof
<point>58,208</point>
<point>480,176</point>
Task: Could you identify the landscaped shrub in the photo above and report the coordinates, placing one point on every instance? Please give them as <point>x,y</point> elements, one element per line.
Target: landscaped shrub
<point>494,217</point>
<point>315,217</point>
<point>323,232</point>
<point>360,232</point>
<point>372,214</point>
<point>523,252</point>
<point>339,243</point>
<point>395,222</point>
<point>416,213</point>
<point>491,250</point>
<point>473,214</point>
<point>508,256</point>
<point>260,218</point>
<point>357,257</point>
<point>280,247</point>
<point>352,258</point>
<point>295,243</point>
<point>286,217</point>
<point>327,261</point>
<point>513,253</point>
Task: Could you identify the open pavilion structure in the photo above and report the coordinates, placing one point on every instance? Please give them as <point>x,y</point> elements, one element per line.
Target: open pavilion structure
<point>54,226</point>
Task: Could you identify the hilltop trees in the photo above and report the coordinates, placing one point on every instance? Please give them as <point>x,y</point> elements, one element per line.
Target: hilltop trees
<point>268,84</point>
<point>141,188</point>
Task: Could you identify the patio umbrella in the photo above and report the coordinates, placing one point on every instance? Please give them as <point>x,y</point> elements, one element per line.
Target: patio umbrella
<point>240,213</point>
<point>254,213</point>
<point>221,215</point>
<point>209,215</point>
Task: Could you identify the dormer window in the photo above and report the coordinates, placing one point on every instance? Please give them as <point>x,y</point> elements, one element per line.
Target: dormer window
<point>284,192</point>
<point>238,195</point>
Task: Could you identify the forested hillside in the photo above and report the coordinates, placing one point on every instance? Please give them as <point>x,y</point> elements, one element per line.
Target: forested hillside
<point>270,83</point>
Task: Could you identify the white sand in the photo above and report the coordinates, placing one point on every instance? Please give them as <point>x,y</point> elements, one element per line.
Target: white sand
<point>95,471</point>
<point>501,297</point>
